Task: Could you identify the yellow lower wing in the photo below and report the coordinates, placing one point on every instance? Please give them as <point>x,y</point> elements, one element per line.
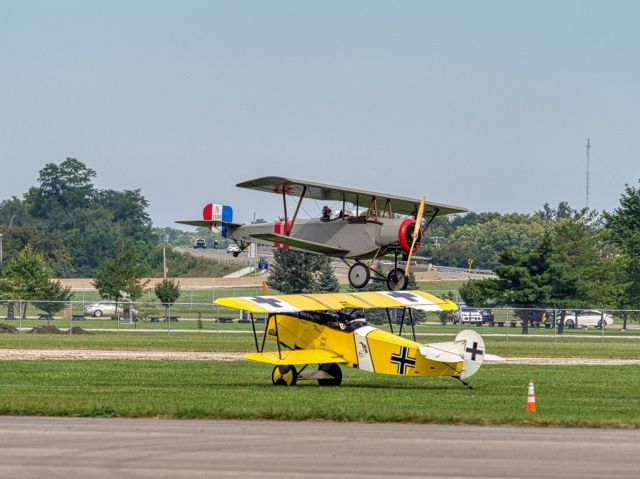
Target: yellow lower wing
<point>298,356</point>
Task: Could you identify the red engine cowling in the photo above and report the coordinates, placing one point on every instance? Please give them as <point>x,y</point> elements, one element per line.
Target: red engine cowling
<point>405,235</point>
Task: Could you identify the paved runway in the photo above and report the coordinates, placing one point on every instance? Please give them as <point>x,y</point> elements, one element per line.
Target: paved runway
<point>147,448</point>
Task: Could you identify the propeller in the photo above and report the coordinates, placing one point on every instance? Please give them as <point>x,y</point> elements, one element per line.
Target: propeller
<point>416,234</point>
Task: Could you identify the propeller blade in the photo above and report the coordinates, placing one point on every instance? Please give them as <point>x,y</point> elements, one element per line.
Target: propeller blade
<point>416,234</point>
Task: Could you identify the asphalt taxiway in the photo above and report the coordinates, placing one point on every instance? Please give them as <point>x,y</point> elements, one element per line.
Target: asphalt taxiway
<point>90,447</point>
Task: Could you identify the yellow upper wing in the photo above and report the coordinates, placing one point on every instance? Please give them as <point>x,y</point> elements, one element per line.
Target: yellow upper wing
<point>291,303</point>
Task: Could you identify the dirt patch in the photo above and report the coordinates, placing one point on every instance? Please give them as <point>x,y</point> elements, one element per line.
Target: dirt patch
<point>79,330</point>
<point>45,329</point>
<point>82,354</point>
<point>7,328</point>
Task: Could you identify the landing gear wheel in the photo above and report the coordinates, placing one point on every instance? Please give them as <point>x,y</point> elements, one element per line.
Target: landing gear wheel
<point>235,254</point>
<point>284,376</point>
<point>335,371</point>
<point>359,275</point>
<point>397,280</point>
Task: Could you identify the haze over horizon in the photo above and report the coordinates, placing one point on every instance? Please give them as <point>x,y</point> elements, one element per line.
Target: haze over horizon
<point>481,105</point>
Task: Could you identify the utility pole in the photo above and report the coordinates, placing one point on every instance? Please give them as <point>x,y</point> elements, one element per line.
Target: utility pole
<point>164,256</point>
<point>588,147</point>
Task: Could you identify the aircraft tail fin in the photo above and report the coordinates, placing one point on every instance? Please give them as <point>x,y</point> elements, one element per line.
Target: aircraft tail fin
<point>467,347</point>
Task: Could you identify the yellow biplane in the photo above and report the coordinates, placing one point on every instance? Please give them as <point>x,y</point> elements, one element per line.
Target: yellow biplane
<point>327,330</point>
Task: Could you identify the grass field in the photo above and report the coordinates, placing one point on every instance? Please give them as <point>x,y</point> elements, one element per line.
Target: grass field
<point>595,396</point>
<point>516,346</point>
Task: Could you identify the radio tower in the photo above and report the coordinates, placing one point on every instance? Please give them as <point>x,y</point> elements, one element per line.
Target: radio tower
<point>588,147</point>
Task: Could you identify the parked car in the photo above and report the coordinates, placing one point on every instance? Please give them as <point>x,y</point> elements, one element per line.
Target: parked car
<point>108,308</point>
<point>467,315</point>
<point>233,248</point>
<point>488,316</point>
<point>587,317</point>
<point>200,243</point>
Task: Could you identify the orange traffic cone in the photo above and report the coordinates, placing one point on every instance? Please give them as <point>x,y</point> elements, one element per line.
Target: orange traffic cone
<point>531,398</point>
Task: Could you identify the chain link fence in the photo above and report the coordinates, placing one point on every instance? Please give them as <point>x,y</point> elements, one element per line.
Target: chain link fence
<point>195,311</point>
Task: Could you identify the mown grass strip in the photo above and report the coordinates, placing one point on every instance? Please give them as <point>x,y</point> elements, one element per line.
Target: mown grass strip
<point>597,396</point>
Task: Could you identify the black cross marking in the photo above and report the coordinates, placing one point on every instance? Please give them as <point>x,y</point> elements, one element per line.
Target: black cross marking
<point>474,350</point>
<point>403,360</point>
<point>402,295</point>
<point>270,301</point>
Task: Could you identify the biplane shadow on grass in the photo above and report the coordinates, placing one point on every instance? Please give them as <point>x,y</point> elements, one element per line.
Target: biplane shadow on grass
<point>368,226</point>
<point>324,330</point>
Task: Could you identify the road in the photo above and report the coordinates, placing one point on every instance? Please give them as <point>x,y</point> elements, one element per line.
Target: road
<point>148,448</point>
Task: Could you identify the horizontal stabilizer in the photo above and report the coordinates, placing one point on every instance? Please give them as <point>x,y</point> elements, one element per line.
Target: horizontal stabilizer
<point>300,243</point>
<point>443,352</point>
<point>493,358</point>
<point>296,357</point>
<point>208,223</point>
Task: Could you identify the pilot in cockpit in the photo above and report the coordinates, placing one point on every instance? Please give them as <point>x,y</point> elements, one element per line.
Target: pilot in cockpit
<point>326,213</point>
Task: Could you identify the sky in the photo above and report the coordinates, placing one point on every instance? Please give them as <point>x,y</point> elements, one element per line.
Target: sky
<point>486,105</point>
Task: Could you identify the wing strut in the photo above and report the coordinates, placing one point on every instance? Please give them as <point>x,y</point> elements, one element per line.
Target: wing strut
<point>413,327</point>
<point>287,227</point>
<point>389,319</point>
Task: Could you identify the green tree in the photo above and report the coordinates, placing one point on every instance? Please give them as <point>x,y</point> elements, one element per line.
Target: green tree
<point>293,272</point>
<point>28,273</point>
<point>569,268</point>
<point>167,291</point>
<point>485,240</point>
<point>63,187</point>
<point>623,227</point>
<point>326,279</point>
<point>54,297</point>
<point>121,276</point>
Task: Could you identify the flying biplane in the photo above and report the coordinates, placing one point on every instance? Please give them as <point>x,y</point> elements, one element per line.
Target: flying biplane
<point>323,329</point>
<point>368,226</point>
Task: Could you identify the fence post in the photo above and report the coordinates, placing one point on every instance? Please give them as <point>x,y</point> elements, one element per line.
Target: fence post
<point>508,322</point>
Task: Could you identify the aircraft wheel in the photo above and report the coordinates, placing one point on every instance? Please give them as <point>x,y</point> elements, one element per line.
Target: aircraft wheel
<point>335,371</point>
<point>359,275</point>
<point>397,280</point>
<point>235,254</point>
<point>284,376</point>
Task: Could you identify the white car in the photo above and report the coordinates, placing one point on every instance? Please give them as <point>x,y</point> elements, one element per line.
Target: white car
<point>471,316</point>
<point>588,317</point>
<point>108,308</point>
<point>233,248</point>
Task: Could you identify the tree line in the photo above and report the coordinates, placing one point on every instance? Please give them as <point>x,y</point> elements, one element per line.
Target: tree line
<point>76,226</point>
<point>579,259</point>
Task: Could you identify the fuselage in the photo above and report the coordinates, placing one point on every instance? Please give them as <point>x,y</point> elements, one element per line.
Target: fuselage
<point>358,236</point>
<point>365,347</point>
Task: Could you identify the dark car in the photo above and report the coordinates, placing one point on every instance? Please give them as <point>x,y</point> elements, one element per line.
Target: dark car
<point>488,316</point>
